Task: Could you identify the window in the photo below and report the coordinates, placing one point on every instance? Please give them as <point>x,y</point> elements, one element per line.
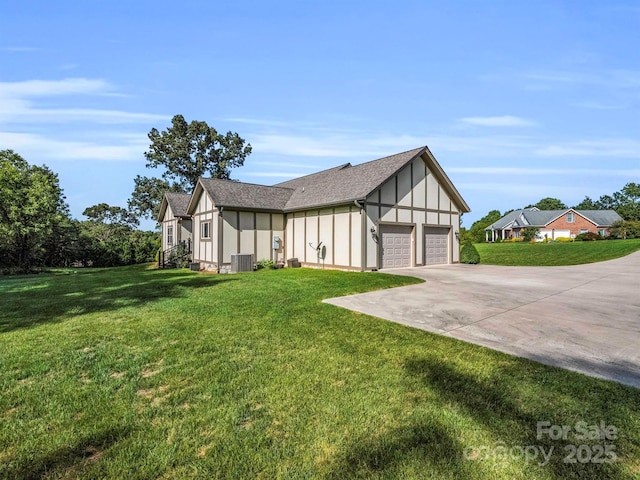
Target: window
<point>603,233</point>
<point>570,217</point>
<point>583,230</point>
<point>169,235</point>
<point>205,230</point>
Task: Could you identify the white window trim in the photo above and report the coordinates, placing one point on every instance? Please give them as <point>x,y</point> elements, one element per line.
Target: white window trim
<point>571,216</point>
<point>202,230</point>
<point>169,235</point>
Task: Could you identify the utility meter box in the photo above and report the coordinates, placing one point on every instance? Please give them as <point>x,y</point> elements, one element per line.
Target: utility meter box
<point>277,243</point>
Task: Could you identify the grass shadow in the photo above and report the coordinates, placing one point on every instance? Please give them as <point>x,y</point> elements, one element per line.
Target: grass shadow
<point>30,301</point>
<point>494,403</point>
<point>68,461</point>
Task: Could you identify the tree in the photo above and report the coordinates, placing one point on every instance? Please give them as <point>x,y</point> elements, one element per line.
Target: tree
<point>109,238</point>
<point>628,202</point>
<point>587,204</point>
<point>530,233</point>
<point>476,233</point>
<point>32,206</point>
<point>186,152</point>
<point>549,203</point>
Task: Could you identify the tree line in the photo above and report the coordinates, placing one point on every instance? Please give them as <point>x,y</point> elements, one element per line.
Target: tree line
<point>37,230</point>
<point>626,202</point>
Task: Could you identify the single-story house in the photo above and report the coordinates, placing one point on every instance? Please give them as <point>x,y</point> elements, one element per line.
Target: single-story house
<point>176,224</point>
<point>567,223</point>
<point>397,211</point>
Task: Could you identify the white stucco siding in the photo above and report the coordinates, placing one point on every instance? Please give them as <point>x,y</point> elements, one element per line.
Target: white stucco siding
<point>247,232</point>
<point>432,218</point>
<point>371,244</point>
<point>445,219</point>
<point>387,213</point>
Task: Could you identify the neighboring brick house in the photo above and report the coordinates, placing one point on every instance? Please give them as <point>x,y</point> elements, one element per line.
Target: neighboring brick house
<point>553,224</point>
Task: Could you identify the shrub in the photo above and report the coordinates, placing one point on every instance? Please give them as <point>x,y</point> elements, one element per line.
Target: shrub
<point>588,237</point>
<point>564,239</point>
<point>530,233</point>
<point>264,263</point>
<point>469,254</point>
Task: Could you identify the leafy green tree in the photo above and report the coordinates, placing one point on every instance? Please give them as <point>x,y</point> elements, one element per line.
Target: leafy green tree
<point>529,233</point>
<point>32,206</point>
<point>549,203</point>
<point>587,204</point>
<point>476,233</point>
<point>628,202</point>
<point>185,152</point>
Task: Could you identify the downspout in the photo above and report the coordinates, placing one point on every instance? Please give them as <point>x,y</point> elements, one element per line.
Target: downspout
<point>219,239</point>
<point>363,234</point>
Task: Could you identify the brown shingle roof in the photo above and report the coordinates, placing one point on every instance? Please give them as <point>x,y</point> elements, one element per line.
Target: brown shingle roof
<point>338,185</point>
<point>345,183</point>
<point>230,194</point>
<point>178,203</point>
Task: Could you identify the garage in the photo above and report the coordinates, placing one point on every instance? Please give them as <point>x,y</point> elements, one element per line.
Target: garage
<point>396,246</point>
<point>436,245</point>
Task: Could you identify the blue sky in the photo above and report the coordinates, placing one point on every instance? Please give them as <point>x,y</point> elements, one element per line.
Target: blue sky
<point>517,100</point>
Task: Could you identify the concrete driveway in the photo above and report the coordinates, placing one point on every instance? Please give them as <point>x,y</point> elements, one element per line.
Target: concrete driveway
<point>585,318</point>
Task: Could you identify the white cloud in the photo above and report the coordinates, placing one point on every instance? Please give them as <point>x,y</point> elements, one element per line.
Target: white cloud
<point>333,145</point>
<point>18,102</point>
<point>38,148</point>
<point>503,121</point>
<point>69,86</point>
<point>272,174</point>
<point>619,148</point>
<point>520,171</point>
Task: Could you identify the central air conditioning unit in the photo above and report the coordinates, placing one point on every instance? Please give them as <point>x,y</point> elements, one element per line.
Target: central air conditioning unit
<point>241,262</point>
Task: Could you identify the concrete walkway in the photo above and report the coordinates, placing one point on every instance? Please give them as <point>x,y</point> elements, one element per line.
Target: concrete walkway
<point>585,318</point>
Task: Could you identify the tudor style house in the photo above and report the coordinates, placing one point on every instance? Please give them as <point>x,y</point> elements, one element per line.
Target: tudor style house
<point>553,224</point>
<point>398,211</point>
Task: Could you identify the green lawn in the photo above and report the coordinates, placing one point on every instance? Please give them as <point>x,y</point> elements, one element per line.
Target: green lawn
<point>143,374</point>
<point>554,253</point>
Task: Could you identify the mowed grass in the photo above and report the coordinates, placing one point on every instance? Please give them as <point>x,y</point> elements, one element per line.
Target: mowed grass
<point>554,253</point>
<point>144,374</point>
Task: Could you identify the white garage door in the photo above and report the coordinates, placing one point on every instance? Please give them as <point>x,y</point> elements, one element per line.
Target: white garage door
<point>436,245</point>
<point>396,246</point>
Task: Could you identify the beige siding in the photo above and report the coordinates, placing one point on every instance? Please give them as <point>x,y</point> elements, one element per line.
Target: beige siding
<point>388,192</point>
<point>432,192</point>
<point>371,244</point>
<point>229,235</point>
<point>404,215</point>
<point>404,187</point>
<point>312,236</point>
<point>326,233</point>
<point>387,214</point>
<point>247,233</point>
<point>455,224</point>
<point>445,203</point>
<point>419,218</point>
<point>432,218</point>
<point>341,246</point>
<point>420,182</point>
<point>288,243</point>
<point>356,239</point>
<point>299,238</point>
<point>264,250</point>
<point>445,219</point>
